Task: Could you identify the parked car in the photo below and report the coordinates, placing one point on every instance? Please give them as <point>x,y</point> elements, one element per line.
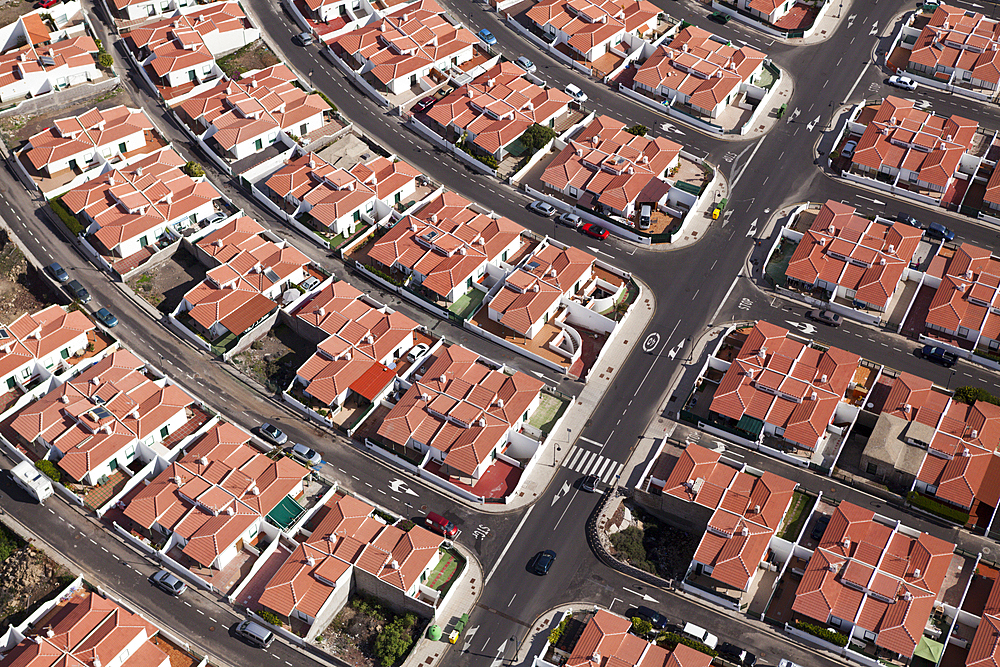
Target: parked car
<point>736,654</point>
<point>214,218</point>
<point>78,291</point>
<point>820,527</point>
<point>940,232</point>
<point>424,104</point>
<point>575,92</point>
<point>272,433</point>
<point>107,318</point>
<point>849,148</point>
<point>827,317</point>
<point>254,634</point>
<point>168,583</point>
<point>719,17</point>
<point>655,618</point>
<point>907,219</point>
<point>46,4</point>
<point>310,283</point>
<point>441,525</point>
<point>525,64</point>
<point>596,231</point>
<point>938,355</point>
<point>570,220</point>
<point>418,351</point>
<point>487,37</point>
<point>303,39</point>
<point>701,634</point>
<point>590,483</point>
<point>57,272</point>
<point>543,561</point>
<point>542,208</point>
<point>305,454</point>
<point>904,82</point>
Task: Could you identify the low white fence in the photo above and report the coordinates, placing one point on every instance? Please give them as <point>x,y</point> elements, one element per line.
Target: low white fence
<point>356,78</point>
<point>887,187</point>
<point>190,335</point>
<point>435,138</point>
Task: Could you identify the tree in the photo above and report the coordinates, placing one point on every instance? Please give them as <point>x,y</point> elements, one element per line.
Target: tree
<point>638,130</point>
<point>537,136</point>
<point>194,170</point>
<point>641,626</point>
<point>395,640</point>
<point>105,60</point>
<point>50,470</point>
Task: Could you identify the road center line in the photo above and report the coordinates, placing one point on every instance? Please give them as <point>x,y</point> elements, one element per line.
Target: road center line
<point>507,546</point>
<point>745,165</point>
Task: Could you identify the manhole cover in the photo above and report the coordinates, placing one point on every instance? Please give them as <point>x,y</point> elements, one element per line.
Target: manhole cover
<point>985,550</point>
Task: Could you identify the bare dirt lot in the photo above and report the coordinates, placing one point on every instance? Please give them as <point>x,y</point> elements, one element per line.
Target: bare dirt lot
<point>353,636</point>
<point>27,577</point>
<point>273,358</point>
<point>22,290</point>
<point>250,57</point>
<point>165,285</point>
<point>17,128</point>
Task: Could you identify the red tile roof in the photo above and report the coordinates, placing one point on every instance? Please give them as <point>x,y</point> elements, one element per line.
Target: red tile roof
<point>588,23</point>
<point>959,39</point>
<point>92,130</point>
<point>607,642</point>
<point>969,294</point>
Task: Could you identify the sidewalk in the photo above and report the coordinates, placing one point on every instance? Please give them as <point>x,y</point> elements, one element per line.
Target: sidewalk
<point>464,596</point>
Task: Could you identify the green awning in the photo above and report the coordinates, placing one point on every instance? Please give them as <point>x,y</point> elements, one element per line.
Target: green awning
<point>516,148</point>
<point>750,425</point>
<point>930,650</point>
<point>285,513</point>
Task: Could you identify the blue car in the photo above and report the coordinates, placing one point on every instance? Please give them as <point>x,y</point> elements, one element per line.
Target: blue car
<point>106,317</point>
<point>487,37</point>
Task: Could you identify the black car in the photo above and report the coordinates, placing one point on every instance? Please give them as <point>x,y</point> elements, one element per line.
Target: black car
<point>939,232</point>
<point>735,654</point>
<point>543,561</point>
<point>78,291</point>
<point>57,272</point>
<point>907,219</point>
<point>655,618</point>
<point>938,355</point>
<point>827,317</point>
<point>820,527</point>
<point>589,483</point>
<point>719,17</point>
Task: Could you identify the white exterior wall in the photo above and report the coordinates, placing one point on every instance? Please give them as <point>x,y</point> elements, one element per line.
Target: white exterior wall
<point>132,142</point>
<point>104,468</point>
<point>220,43</point>
<point>202,71</point>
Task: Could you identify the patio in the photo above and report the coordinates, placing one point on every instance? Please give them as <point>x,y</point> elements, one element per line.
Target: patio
<point>537,345</point>
<point>95,497</point>
<point>251,593</point>
<point>496,482</point>
<point>223,580</point>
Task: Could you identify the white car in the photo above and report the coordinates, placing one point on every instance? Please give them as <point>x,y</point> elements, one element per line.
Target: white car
<point>577,94</point>
<point>418,351</point>
<point>904,82</point>
<point>525,64</point>
<point>701,634</point>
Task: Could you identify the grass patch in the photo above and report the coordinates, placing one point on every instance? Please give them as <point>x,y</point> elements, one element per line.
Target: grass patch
<point>72,224</point>
<point>796,515</point>
<point>548,412</point>
<point>934,507</point>
<point>468,303</point>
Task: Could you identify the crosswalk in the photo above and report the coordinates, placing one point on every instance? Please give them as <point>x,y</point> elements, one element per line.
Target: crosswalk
<point>587,462</point>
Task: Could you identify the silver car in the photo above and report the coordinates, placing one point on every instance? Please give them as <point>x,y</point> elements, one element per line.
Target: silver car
<point>305,454</point>
<point>168,583</point>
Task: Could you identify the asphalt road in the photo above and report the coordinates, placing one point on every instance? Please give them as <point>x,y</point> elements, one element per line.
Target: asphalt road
<point>692,287</point>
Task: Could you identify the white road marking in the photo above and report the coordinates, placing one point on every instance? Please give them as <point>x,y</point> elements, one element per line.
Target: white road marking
<point>507,546</point>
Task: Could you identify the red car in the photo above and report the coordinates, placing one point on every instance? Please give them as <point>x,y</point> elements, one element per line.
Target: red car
<point>596,231</point>
<point>424,104</point>
<point>45,4</point>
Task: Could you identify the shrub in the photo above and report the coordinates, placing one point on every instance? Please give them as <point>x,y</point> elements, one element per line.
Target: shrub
<point>105,60</point>
<point>194,170</point>
<point>537,136</point>
<point>270,617</point>
<point>934,507</point>
<point>406,525</point>
<point>323,96</point>
<point>72,224</point>
<point>9,543</point>
<point>826,634</point>
<point>972,394</point>
<point>628,545</point>
<point>557,632</point>
<point>672,639</point>
<point>641,626</point>
<point>49,469</point>
<point>638,130</point>
<point>385,276</point>
<point>395,640</point>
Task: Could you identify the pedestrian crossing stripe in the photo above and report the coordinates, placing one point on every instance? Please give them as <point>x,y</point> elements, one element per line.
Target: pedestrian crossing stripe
<point>587,462</point>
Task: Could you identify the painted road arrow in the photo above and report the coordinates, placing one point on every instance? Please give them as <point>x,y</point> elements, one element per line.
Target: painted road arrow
<point>645,598</point>
<point>399,486</point>
<point>562,492</point>
<point>804,327</point>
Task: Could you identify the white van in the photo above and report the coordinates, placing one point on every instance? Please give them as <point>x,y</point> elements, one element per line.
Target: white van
<point>645,217</point>
<point>32,480</point>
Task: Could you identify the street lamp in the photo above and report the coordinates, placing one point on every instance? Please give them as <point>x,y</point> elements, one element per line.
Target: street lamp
<point>950,377</point>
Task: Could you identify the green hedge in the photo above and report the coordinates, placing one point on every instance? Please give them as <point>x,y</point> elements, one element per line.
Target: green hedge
<point>672,639</point>
<point>270,617</point>
<point>384,276</point>
<point>557,632</point>
<point>972,394</point>
<point>72,224</point>
<point>832,636</point>
<point>935,507</point>
<point>49,469</point>
<point>641,626</point>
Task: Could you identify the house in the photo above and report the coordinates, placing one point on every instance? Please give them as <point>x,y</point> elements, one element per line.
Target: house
<point>768,11</point>
<point>96,421</point>
<point>985,649</point>
<point>179,52</point>
<point>592,28</point>
<point>363,342</point>
<point>494,110</point>
<point>739,513</point>
<point>142,10</point>
<point>958,45</point>
<point>33,70</point>
<point>607,640</point>
<point>252,268</point>
<point>213,502</point>
<point>88,629</point>
<point>351,543</point>
<point>699,70</point>
<point>337,13</point>
<point>335,199</point>
<point>873,579</point>
<point>967,304</point>
<point>532,294</point>
<point>75,142</point>
<point>461,411</point>
<point>41,343</point>
<point>780,386</point>
<point>239,117</point>
<point>853,257</point>
<point>447,246</point>
<point>605,168</point>
<point>127,209</point>
<point>913,147</point>
<point>401,48</point>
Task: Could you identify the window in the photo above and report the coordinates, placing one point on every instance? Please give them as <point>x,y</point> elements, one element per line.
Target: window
<point>253,531</point>
<point>963,331</point>
<point>11,383</point>
<point>113,464</point>
<point>357,216</point>
<point>143,242</point>
<point>25,373</point>
<point>503,257</point>
<point>64,353</point>
<point>164,432</point>
<point>303,129</point>
<point>130,452</point>
<point>122,147</point>
<point>206,70</point>
<point>192,76</point>
<point>258,144</point>
<point>164,6</point>
<point>468,283</point>
<point>872,469</point>
<point>398,197</point>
